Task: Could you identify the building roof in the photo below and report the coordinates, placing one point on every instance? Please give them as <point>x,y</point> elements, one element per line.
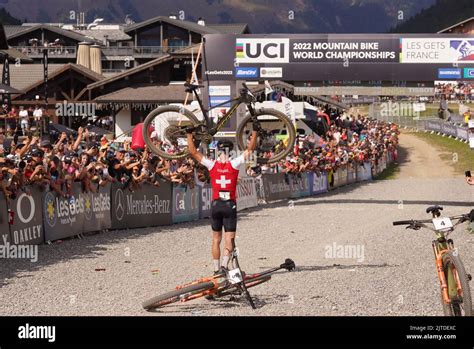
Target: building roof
<point>64,67</point>
<point>14,29</point>
<point>191,26</point>
<point>28,76</point>
<point>231,28</point>
<point>456,25</point>
<point>24,75</point>
<point>145,94</point>
<point>68,33</point>
<point>99,34</point>
<point>14,54</point>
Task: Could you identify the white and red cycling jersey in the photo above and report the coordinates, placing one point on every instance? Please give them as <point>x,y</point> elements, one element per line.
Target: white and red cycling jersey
<point>223,175</point>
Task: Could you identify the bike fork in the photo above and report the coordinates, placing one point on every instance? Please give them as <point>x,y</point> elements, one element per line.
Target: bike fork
<point>235,264</point>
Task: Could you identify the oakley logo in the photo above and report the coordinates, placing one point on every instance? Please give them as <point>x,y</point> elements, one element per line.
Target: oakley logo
<point>262,50</point>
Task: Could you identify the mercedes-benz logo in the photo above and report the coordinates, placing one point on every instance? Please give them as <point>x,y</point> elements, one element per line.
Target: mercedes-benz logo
<point>119,204</point>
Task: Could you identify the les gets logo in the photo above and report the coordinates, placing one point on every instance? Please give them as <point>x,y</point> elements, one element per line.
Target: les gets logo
<point>262,50</point>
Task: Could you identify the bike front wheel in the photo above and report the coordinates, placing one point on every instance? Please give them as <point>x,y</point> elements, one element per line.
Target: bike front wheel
<point>164,131</point>
<point>176,295</point>
<point>457,278</point>
<point>276,137</point>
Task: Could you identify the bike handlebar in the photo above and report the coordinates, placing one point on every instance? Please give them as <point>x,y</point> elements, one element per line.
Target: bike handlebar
<point>461,219</point>
<point>403,222</point>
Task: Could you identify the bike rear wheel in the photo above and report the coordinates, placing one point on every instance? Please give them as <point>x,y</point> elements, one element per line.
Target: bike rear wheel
<point>176,295</point>
<point>275,140</point>
<point>164,131</point>
<point>462,304</point>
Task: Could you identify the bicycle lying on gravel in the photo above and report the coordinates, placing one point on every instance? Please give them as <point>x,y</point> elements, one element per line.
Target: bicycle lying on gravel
<point>453,279</point>
<point>230,283</point>
<point>164,129</point>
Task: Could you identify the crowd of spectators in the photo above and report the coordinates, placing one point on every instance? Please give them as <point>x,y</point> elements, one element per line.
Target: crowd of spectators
<point>56,162</point>
<point>23,118</point>
<point>87,159</point>
<point>459,91</point>
<point>349,141</point>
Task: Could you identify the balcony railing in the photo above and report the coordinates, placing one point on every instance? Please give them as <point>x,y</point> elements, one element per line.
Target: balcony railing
<point>53,52</point>
<point>70,51</point>
<point>140,51</point>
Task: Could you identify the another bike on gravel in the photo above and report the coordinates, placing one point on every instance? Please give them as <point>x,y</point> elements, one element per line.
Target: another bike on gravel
<point>233,282</point>
<point>164,129</point>
<point>453,278</point>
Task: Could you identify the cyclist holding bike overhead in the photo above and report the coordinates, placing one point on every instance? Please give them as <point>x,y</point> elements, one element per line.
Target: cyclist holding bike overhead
<point>224,174</point>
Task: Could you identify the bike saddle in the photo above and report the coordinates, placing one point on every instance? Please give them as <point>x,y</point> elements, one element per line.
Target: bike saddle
<point>434,210</point>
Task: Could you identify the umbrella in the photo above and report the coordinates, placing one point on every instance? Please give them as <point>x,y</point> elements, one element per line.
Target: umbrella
<point>98,131</point>
<point>8,90</point>
<point>57,129</point>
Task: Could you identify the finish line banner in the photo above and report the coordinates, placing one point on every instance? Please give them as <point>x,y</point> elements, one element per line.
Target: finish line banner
<point>327,57</point>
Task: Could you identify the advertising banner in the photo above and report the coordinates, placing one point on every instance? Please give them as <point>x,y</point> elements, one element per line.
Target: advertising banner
<point>97,209</point>
<point>145,207</point>
<point>328,57</point>
<point>246,193</point>
<point>276,186</point>
<point>185,204</point>
<point>449,129</point>
<point>433,126</point>
<point>318,183</point>
<point>64,217</point>
<point>462,133</point>
<point>437,50</point>
<point>340,176</point>
<point>364,172</point>
<point>351,173</point>
<point>4,226</point>
<point>205,192</point>
<point>299,185</point>
<point>27,227</point>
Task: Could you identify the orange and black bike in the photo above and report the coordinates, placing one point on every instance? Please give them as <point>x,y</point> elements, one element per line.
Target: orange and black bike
<point>230,283</point>
<point>453,278</point>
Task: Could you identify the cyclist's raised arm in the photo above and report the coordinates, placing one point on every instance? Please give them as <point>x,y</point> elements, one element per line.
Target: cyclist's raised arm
<point>192,148</point>
<point>252,145</point>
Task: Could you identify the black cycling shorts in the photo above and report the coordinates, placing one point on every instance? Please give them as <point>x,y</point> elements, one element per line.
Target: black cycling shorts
<point>224,213</point>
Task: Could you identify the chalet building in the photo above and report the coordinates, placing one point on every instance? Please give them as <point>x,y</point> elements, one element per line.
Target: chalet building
<point>129,96</point>
<point>122,46</point>
<point>67,83</point>
<point>32,40</point>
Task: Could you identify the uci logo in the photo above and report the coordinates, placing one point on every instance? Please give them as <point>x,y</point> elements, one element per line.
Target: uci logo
<point>262,50</point>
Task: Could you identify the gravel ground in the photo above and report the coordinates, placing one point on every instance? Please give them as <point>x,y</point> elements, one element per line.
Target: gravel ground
<point>396,275</point>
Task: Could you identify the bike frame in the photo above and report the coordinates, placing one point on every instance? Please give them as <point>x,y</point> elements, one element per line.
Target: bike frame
<point>205,112</point>
<point>241,285</point>
<point>448,279</point>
